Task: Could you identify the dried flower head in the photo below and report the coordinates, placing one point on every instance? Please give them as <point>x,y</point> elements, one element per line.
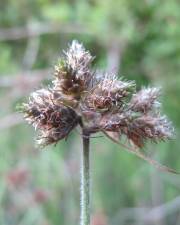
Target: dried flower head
<point>72,72</point>
<point>145,100</point>
<point>80,96</point>
<point>53,121</point>
<point>108,94</point>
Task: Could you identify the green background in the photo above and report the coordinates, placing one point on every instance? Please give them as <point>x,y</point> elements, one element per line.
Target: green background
<point>139,40</point>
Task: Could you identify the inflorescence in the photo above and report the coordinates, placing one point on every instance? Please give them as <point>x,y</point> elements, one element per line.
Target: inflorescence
<point>98,103</point>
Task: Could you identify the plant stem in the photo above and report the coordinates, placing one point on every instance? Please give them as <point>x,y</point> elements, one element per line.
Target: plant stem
<point>85,181</point>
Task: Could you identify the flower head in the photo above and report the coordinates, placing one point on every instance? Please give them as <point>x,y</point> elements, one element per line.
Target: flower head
<point>145,100</point>
<point>80,96</point>
<point>72,73</point>
<point>54,122</point>
<point>108,94</point>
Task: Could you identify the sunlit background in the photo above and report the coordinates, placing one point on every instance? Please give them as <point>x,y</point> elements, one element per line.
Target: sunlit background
<point>139,40</point>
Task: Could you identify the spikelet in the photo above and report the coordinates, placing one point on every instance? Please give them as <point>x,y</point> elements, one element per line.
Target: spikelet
<point>145,100</point>
<point>53,122</point>
<point>108,93</point>
<point>73,71</point>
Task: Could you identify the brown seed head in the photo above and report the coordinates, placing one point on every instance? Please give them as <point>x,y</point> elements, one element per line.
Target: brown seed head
<point>145,100</point>
<point>73,72</point>
<point>97,103</point>
<point>53,121</point>
<point>108,93</point>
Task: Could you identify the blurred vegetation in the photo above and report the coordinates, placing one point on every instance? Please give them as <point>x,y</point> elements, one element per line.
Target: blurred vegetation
<point>137,39</point>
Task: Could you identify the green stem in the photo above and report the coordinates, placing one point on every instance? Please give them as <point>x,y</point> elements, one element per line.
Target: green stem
<point>85,181</point>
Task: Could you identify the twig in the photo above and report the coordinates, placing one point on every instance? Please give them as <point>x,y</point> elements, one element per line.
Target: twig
<point>23,77</point>
<point>147,214</point>
<point>161,211</point>
<point>38,29</point>
<point>10,121</point>
<point>31,53</point>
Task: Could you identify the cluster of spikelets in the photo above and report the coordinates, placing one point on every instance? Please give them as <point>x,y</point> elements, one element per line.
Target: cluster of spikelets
<point>95,102</point>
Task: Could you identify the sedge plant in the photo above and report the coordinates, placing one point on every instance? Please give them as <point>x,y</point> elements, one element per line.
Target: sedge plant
<point>80,96</point>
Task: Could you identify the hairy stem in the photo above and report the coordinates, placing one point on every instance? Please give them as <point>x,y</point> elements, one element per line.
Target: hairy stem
<point>85,181</point>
